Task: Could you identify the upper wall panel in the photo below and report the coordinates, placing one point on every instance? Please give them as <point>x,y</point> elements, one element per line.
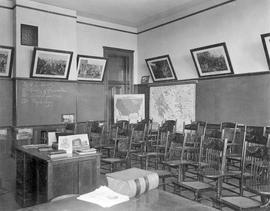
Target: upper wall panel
<point>239,24</point>
<point>6,26</point>
<point>56,31</point>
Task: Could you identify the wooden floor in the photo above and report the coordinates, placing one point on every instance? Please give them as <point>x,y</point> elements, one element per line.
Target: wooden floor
<point>7,190</point>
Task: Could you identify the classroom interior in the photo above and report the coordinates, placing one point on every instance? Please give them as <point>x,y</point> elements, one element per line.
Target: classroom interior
<point>36,102</point>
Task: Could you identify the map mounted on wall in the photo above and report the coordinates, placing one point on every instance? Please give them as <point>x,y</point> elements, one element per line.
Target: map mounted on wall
<point>129,107</point>
<point>173,102</point>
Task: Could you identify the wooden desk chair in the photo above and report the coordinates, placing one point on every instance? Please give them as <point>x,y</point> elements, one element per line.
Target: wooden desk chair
<point>97,135</point>
<point>138,141</point>
<point>181,154</point>
<point>230,130</point>
<point>212,153</point>
<point>236,137</point>
<point>167,126</point>
<point>255,174</point>
<point>156,156</point>
<point>152,134</point>
<point>121,151</point>
<point>115,130</point>
<point>255,133</point>
<point>194,132</point>
<point>122,124</point>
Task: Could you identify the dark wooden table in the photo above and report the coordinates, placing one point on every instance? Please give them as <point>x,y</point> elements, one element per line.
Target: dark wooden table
<point>155,200</point>
<point>39,178</point>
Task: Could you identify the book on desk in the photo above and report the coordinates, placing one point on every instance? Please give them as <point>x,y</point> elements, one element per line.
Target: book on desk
<point>132,182</point>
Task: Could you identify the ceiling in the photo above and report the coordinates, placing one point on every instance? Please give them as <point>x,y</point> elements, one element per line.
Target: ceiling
<point>133,13</point>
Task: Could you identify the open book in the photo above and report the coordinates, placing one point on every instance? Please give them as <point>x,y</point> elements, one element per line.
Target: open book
<point>104,197</point>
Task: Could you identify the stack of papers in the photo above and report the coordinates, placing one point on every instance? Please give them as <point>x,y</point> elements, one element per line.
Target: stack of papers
<point>104,197</point>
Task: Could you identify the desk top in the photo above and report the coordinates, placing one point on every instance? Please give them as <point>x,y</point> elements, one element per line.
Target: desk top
<point>154,200</point>
<point>43,155</point>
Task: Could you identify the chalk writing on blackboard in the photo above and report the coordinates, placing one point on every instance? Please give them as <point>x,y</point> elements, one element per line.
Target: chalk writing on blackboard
<point>41,94</point>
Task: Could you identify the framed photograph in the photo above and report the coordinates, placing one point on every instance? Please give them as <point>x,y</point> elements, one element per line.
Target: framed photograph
<point>145,79</point>
<point>24,133</point>
<point>91,68</point>
<point>49,63</point>
<point>161,68</point>
<point>68,118</point>
<point>6,60</point>
<point>266,47</point>
<point>212,60</point>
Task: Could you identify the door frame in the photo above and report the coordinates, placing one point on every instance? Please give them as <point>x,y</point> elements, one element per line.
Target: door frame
<point>129,54</point>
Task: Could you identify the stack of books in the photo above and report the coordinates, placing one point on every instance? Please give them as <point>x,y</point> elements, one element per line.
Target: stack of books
<point>57,154</point>
<point>85,151</point>
<point>46,148</point>
<point>34,146</point>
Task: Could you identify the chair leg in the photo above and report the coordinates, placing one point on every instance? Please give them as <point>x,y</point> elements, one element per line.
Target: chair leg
<point>197,195</point>
<point>164,184</point>
<point>141,162</point>
<point>174,189</point>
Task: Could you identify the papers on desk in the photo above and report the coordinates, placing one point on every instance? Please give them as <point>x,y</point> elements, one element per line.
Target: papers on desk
<point>104,197</point>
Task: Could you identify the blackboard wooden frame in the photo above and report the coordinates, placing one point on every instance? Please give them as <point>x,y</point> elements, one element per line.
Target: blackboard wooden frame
<point>53,59</point>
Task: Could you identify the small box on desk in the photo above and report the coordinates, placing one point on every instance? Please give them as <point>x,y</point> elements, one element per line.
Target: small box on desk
<point>132,182</point>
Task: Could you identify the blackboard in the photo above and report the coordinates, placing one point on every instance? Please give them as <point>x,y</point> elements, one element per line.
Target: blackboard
<point>90,102</point>
<point>244,99</point>
<point>40,102</point>
<point>6,102</point>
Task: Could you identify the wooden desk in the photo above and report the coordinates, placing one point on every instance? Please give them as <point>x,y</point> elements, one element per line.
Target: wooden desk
<point>39,179</point>
<point>154,200</point>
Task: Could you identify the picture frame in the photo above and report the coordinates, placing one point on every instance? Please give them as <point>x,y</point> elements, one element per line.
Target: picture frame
<point>91,68</point>
<point>51,63</point>
<point>161,68</point>
<point>212,60</point>
<point>24,133</point>
<point>6,60</point>
<point>29,35</point>
<point>266,46</point>
<point>145,79</point>
<point>68,118</point>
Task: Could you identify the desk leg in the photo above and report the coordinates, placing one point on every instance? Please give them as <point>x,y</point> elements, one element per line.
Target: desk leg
<point>49,182</point>
<point>179,179</point>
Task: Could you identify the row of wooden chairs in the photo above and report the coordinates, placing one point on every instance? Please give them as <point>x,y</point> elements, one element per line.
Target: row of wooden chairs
<point>252,170</point>
<point>211,152</point>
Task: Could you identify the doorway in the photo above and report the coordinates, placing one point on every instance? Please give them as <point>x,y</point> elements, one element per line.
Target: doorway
<point>118,78</point>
